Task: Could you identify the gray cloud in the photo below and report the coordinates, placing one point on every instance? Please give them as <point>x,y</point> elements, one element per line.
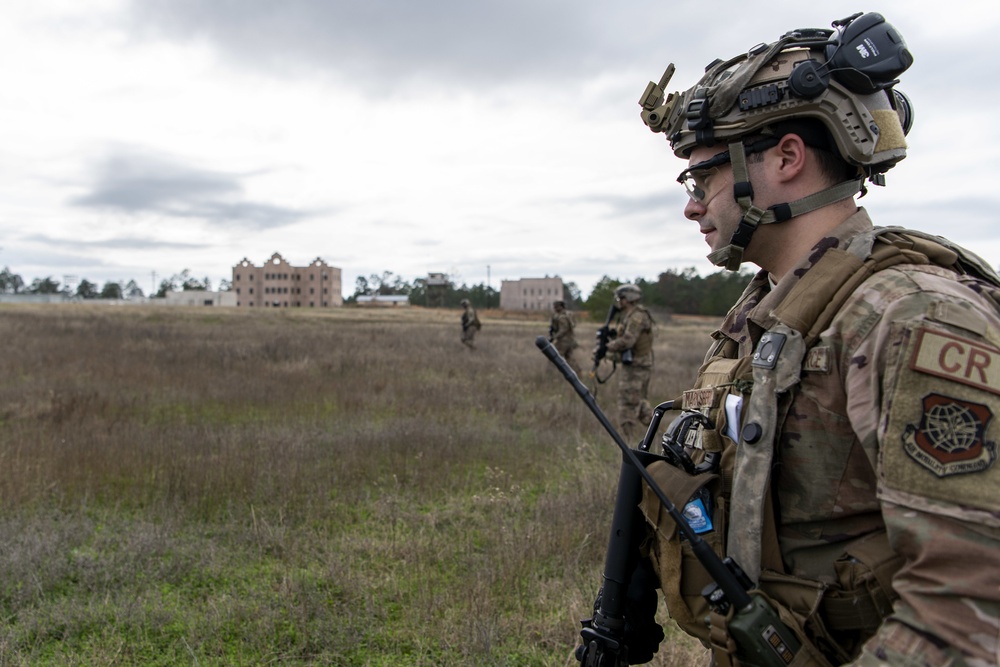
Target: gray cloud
<point>135,182</point>
<point>964,220</point>
<point>380,45</point>
<point>117,243</point>
<point>389,40</point>
<point>651,204</point>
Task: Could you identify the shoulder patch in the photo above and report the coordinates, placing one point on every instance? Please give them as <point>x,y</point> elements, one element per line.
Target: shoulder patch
<point>950,437</point>
<point>940,432</point>
<point>958,359</point>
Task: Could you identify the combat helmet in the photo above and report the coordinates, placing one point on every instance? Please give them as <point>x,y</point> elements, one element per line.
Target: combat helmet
<point>843,78</point>
<point>628,292</point>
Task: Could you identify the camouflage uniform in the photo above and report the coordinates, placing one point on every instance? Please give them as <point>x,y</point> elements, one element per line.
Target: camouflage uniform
<point>635,333</point>
<point>890,431</point>
<point>562,337</point>
<point>850,464</point>
<point>470,326</point>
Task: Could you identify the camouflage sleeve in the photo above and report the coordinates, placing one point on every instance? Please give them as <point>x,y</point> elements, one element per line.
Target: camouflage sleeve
<point>559,326</point>
<point>635,324</point>
<point>923,392</point>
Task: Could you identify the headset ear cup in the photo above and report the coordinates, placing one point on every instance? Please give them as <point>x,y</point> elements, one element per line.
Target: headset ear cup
<point>808,80</point>
<point>904,108</point>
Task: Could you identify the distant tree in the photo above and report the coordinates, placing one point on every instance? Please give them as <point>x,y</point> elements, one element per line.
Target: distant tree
<point>723,289</point>
<point>43,286</point>
<point>189,283</point>
<point>111,290</point>
<point>132,290</point>
<point>361,287</point>
<point>418,292</point>
<point>224,285</point>
<point>87,290</point>
<point>388,283</point>
<point>481,296</point>
<point>571,295</point>
<point>10,283</point>
<point>166,285</point>
<point>686,292</point>
<point>680,291</point>
<point>599,301</point>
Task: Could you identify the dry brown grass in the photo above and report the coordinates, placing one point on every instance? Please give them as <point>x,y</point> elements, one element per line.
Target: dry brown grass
<point>342,487</point>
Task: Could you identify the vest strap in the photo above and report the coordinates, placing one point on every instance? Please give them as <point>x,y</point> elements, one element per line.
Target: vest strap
<point>774,376</point>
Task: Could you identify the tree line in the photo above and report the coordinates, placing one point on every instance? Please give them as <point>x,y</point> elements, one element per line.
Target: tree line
<point>676,291</point>
<point>12,283</point>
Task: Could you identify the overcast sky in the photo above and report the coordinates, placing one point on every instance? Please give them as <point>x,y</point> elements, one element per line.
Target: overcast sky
<point>489,140</point>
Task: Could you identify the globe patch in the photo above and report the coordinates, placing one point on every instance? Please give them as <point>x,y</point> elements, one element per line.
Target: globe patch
<point>949,439</point>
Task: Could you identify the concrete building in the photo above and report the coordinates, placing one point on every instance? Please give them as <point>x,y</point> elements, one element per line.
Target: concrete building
<point>530,293</point>
<point>278,284</point>
<point>196,298</point>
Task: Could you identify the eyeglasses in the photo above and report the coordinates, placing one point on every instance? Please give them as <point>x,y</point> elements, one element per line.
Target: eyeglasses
<point>697,177</point>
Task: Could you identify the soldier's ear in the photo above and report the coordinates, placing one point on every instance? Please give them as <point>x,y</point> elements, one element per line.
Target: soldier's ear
<point>788,158</point>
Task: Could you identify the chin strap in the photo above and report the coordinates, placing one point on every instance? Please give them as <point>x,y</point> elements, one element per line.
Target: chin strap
<point>731,256</point>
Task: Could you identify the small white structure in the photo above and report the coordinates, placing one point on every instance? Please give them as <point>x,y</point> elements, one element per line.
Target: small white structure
<point>197,298</point>
<point>384,300</point>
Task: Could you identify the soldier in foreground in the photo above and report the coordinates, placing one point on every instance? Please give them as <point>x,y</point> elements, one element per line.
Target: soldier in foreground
<point>852,395</point>
<point>470,325</point>
<point>561,333</point>
<point>632,345</point>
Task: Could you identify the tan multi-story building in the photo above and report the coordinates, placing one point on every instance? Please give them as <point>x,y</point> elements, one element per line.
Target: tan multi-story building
<point>278,284</point>
<point>530,293</point>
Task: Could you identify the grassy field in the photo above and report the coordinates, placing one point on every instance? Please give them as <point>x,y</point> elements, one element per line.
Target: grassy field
<point>216,487</point>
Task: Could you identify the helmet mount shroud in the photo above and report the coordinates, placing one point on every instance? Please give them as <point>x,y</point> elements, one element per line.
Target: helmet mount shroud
<point>844,78</point>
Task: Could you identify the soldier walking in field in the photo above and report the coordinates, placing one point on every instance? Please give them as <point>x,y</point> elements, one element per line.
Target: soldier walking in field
<point>632,345</point>
<point>470,325</point>
<point>561,333</point>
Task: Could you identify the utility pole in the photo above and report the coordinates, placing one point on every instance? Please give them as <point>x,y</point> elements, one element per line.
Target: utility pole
<point>488,288</point>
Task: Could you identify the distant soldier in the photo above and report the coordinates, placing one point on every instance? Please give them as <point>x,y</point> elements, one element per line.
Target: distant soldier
<point>633,346</point>
<point>561,333</point>
<point>470,325</point>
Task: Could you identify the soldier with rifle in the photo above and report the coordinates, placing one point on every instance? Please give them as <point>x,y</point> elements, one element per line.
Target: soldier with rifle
<point>839,447</point>
<point>561,333</point>
<point>629,342</point>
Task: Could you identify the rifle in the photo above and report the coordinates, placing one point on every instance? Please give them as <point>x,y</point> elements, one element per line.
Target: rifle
<point>762,639</point>
<point>604,334</point>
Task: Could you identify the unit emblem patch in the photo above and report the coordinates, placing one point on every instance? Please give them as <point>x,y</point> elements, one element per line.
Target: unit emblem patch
<point>949,440</point>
